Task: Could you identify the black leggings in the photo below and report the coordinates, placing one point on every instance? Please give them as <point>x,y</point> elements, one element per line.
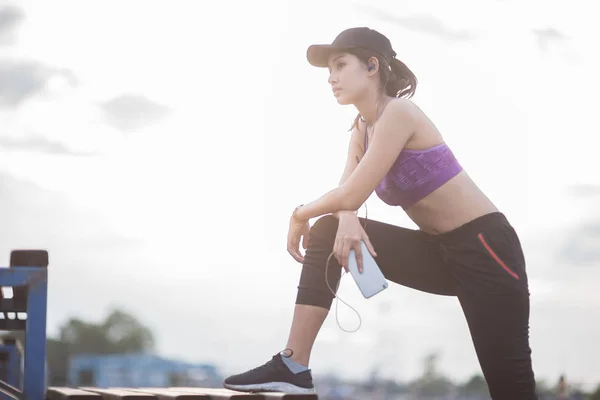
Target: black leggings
<point>481,263</point>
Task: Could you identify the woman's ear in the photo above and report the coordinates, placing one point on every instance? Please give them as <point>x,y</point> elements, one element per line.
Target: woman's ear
<point>373,65</point>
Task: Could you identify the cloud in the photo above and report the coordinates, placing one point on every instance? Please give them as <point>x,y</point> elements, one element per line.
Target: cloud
<point>10,17</point>
<point>581,246</point>
<point>132,111</point>
<point>425,24</point>
<point>22,80</point>
<point>584,190</point>
<point>548,36</point>
<point>39,144</point>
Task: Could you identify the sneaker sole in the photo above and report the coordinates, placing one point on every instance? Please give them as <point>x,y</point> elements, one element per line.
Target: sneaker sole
<point>283,387</point>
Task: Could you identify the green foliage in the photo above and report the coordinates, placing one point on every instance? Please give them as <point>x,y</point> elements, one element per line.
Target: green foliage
<point>431,382</point>
<point>119,333</point>
<point>596,394</point>
<point>476,385</point>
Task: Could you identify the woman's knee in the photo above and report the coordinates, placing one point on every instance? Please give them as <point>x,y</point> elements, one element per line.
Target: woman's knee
<point>323,231</point>
<point>320,272</point>
<point>320,243</point>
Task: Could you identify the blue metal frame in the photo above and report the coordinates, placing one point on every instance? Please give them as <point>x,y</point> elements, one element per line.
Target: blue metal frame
<point>35,279</point>
<point>12,367</point>
<point>13,364</point>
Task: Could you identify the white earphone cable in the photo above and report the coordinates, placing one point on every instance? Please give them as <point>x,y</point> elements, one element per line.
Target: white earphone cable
<point>338,299</point>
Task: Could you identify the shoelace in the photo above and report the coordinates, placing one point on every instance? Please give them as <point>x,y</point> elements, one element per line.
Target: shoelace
<point>269,364</point>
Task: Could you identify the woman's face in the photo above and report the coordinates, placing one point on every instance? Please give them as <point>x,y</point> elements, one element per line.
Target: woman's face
<point>348,77</point>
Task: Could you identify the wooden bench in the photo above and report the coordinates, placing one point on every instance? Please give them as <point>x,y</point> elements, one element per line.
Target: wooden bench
<point>174,393</point>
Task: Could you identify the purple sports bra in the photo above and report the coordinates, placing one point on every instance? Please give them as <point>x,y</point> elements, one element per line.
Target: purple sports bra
<point>416,173</point>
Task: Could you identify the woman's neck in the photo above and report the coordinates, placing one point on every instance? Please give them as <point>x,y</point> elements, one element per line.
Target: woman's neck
<point>370,107</point>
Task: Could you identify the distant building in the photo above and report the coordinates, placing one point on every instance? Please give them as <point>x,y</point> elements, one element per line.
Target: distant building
<point>138,370</point>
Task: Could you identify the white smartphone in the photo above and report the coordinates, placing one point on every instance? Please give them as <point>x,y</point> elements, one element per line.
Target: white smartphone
<point>371,281</point>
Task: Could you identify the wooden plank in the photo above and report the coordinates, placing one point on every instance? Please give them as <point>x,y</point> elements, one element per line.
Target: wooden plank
<point>171,394</point>
<point>120,394</point>
<point>231,394</point>
<point>221,394</point>
<point>289,396</point>
<point>12,324</point>
<point>10,305</point>
<point>67,393</point>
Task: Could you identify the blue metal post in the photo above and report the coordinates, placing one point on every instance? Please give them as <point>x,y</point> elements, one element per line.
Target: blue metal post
<point>35,282</point>
<point>34,376</point>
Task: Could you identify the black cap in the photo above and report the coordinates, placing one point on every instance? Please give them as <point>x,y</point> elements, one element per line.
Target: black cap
<point>363,37</point>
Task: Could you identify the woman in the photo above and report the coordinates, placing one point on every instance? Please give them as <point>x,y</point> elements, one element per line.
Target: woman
<point>464,246</point>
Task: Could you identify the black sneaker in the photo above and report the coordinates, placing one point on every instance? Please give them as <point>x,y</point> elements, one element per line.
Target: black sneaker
<point>274,376</point>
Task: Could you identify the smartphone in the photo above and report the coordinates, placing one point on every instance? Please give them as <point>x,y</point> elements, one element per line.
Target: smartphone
<point>371,281</point>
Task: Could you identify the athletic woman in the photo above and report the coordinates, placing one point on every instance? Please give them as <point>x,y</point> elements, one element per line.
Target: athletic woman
<point>464,246</point>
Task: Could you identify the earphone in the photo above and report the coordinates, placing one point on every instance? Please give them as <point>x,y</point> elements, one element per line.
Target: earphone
<point>371,67</point>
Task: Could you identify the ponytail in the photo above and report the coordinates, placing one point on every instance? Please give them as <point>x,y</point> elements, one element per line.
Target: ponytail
<point>396,78</point>
<point>402,82</point>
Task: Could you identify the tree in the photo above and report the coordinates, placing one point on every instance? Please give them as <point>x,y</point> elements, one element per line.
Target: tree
<point>119,333</point>
<point>431,382</point>
<point>430,362</point>
<point>596,394</point>
<point>476,385</point>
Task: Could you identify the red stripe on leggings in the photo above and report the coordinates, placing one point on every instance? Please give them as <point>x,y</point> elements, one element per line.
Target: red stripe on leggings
<point>495,257</point>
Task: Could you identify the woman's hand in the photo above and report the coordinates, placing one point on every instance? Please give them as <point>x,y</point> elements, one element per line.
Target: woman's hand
<point>298,229</point>
<point>349,235</point>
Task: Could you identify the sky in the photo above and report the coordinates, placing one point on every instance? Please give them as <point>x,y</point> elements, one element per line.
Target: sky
<point>156,149</point>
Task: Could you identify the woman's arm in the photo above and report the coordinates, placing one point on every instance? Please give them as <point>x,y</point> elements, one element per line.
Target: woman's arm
<point>393,130</point>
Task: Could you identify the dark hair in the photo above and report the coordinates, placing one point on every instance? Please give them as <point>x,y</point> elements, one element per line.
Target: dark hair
<point>396,78</point>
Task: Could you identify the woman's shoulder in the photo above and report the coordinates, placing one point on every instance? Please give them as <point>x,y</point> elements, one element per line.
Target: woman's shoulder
<point>400,105</point>
<point>396,109</point>
<point>400,110</point>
